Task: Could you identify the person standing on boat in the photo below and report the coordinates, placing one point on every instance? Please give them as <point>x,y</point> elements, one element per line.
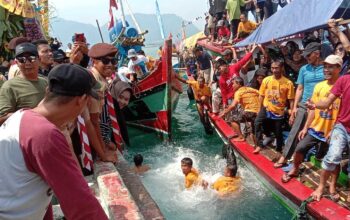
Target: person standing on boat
<point>202,92</point>
<point>340,135</point>
<point>275,92</point>
<point>203,63</point>
<point>228,73</point>
<point>233,12</point>
<point>103,66</point>
<point>25,90</point>
<point>35,157</point>
<point>319,123</point>
<point>309,76</point>
<point>244,107</point>
<point>137,64</point>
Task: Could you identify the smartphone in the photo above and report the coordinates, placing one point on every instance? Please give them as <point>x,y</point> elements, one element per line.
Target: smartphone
<point>79,37</point>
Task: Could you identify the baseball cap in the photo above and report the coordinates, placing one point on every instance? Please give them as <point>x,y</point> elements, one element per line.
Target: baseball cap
<point>132,53</point>
<point>311,47</point>
<point>71,80</point>
<point>220,23</point>
<point>26,48</point>
<point>334,60</point>
<point>59,55</point>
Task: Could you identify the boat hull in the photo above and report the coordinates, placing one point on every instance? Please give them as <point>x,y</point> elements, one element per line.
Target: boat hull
<point>155,97</point>
<point>294,191</point>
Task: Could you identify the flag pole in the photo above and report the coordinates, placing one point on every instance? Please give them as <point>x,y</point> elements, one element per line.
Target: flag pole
<point>99,30</point>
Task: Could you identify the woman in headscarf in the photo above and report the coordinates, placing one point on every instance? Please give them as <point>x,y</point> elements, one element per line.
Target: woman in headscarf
<point>121,93</point>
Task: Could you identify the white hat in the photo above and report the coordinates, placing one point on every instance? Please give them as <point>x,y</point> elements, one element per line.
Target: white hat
<point>132,53</point>
<point>334,60</point>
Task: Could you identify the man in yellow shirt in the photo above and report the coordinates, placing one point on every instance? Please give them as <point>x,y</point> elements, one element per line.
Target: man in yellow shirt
<point>202,92</point>
<point>245,27</point>
<point>319,122</point>
<point>276,92</point>
<point>192,177</point>
<point>244,108</point>
<point>228,183</point>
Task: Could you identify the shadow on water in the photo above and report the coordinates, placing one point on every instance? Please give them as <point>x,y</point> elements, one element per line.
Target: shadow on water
<point>165,182</point>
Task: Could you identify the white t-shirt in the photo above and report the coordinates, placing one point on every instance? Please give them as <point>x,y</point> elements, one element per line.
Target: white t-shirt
<point>123,72</point>
<point>139,66</point>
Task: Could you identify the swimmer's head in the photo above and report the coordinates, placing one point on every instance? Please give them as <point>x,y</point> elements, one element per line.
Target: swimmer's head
<point>186,165</point>
<point>230,171</point>
<point>138,160</point>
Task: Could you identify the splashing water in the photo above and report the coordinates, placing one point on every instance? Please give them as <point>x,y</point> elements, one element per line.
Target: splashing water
<point>165,181</point>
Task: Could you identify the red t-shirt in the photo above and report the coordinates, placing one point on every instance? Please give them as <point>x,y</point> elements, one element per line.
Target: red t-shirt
<point>47,155</point>
<point>224,32</point>
<point>342,89</point>
<point>226,80</point>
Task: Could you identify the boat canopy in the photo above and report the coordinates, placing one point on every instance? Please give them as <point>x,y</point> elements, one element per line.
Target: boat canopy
<point>298,16</point>
<point>191,41</point>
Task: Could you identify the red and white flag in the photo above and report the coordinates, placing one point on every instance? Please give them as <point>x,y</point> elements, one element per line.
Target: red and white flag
<point>86,157</point>
<point>112,4</point>
<point>115,126</point>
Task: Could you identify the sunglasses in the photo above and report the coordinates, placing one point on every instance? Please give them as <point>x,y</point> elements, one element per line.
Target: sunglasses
<point>31,59</point>
<point>106,60</point>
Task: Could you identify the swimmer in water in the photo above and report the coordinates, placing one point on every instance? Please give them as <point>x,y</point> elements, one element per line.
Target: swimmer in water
<point>229,182</point>
<point>192,177</point>
<point>139,168</point>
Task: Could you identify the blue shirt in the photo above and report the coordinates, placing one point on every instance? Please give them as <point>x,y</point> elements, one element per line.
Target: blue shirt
<point>308,77</point>
<point>204,61</point>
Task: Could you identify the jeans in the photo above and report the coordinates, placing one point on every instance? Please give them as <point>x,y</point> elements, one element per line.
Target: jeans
<point>275,125</point>
<point>275,4</point>
<point>292,139</point>
<point>340,139</point>
<point>234,27</point>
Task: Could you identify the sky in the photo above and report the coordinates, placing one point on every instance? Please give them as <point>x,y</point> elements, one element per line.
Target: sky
<point>87,11</point>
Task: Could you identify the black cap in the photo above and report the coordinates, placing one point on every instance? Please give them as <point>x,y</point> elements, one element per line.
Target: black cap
<point>26,48</point>
<point>58,55</point>
<point>311,47</point>
<point>71,80</point>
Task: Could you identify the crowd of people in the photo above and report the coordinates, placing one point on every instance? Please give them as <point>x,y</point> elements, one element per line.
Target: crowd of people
<point>228,19</point>
<point>53,103</point>
<point>297,91</point>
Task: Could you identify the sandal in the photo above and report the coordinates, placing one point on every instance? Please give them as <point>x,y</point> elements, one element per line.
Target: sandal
<point>279,165</point>
<point>287,177</point>
<point>335,197</point>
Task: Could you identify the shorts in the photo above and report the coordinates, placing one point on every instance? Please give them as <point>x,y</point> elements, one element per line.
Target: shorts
<point>308,142</point>
<point>239,115</point>
<point>205,74</point>
<point>211,23</point>
<point>340,139</point>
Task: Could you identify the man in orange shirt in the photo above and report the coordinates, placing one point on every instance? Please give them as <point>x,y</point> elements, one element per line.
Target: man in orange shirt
<point>192,176</point>
<point>244,108</point>
<point>245,27</point>
<point>201,92</point>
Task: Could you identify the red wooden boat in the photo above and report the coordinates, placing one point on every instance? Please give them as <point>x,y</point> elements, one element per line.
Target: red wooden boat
<point>155,97</point>
<point>295,191</point>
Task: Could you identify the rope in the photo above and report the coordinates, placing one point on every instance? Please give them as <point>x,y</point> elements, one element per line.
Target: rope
<point>136,90</point>
<point>301,213</point>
